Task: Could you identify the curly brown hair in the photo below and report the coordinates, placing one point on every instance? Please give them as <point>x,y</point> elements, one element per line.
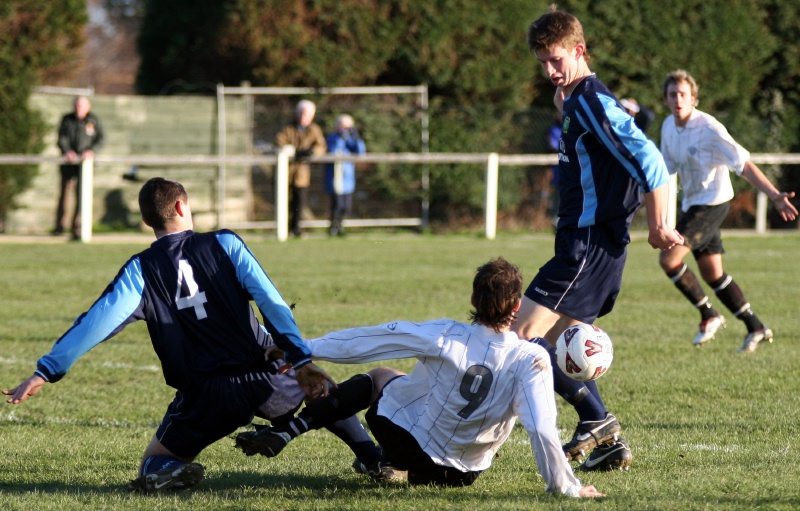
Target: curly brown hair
<point>496,292</point>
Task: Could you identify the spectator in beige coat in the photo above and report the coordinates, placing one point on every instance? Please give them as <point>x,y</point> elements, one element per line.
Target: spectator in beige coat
<point>308,140</point>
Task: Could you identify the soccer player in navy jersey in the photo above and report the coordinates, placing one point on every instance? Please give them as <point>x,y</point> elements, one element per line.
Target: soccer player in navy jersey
<point>194,292</point>
<point>444,422</point>
<point>605,163</point>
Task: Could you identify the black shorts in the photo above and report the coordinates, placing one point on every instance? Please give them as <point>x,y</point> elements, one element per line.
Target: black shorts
<point>700,227</point>
<point>583,279</point>
<point>403,452</point>
<point>220,405</point>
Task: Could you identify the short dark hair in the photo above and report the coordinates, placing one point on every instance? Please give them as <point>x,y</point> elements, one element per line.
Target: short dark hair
<point>157,200</point>
<point>496,291</point>
<point>556,27</point>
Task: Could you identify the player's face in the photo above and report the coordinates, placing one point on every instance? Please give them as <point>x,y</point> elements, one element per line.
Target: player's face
<point>680,101</point>
<point>562,66</point>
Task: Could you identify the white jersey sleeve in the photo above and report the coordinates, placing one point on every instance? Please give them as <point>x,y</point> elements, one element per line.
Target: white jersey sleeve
<point>536,408</point>
<point>399,339</point>
<point>461,400</point>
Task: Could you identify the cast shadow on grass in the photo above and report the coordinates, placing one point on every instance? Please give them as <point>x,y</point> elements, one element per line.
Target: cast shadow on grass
<point>214,483</point>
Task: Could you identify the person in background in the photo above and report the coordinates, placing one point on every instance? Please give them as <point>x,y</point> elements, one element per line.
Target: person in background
<point>443,423</point>
<point>340,177</point>
<point>642,116</point>
<point>194,291</point>
<point>701,151</point>
<point>79,136</point>
<point>307,139</point>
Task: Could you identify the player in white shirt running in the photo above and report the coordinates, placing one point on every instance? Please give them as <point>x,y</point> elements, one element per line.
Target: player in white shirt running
<point>444,422</point>
<point>703,153</point>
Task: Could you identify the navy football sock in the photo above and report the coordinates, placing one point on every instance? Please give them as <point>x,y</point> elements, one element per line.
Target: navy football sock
<point>584,397</point>
<point>158,462</point>
<point>351,432</point>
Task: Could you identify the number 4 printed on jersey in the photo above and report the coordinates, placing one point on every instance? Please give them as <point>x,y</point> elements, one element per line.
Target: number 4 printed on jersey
<point>194,299</point>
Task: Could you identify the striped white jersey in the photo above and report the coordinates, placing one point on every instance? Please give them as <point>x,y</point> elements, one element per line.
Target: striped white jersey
<point>703,154</point>
<point>461,400</point>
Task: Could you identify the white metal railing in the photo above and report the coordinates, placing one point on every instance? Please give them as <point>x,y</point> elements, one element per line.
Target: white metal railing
<point>491,162</point>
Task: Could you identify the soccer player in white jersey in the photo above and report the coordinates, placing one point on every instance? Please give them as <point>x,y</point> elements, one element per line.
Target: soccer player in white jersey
<point>703,153</point>
<point>444,422</point>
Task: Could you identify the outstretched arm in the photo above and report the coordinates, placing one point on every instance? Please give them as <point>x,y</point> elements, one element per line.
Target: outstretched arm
<point>781,200</point>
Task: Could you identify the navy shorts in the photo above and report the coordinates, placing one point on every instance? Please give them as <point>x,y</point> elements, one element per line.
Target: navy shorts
<point>220,405</point>
<point>700,227</point>
<point>584,277</point>
<point>403,452</point>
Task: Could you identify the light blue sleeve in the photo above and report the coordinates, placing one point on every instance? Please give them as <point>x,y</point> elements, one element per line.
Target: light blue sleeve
<point>618,132</point>
<point>115,308</point>
<point>275,312</point>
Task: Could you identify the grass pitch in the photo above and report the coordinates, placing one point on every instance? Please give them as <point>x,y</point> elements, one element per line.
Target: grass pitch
<point>710,428</point>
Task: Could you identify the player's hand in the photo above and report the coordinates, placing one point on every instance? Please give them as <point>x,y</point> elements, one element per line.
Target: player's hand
<point>664,237</point>
<point>272,352</point>
<point>71,157</point>
<point>313,380</point>
<point>785,208</point>
<point>590,492</point>
<point>24,390</point>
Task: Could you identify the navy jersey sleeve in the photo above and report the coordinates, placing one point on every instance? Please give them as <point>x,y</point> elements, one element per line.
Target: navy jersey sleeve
<point>118,306</point>
<point>276,313</point>
<point>601,115</point>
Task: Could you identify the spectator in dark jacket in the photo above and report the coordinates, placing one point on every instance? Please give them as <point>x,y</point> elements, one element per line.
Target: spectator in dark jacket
<point>79,136</point>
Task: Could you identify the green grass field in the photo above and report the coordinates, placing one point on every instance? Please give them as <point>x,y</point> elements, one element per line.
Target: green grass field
<point>710,428</point>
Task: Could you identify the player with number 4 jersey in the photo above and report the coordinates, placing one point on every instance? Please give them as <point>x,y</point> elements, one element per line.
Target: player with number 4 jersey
<point>194,291</point>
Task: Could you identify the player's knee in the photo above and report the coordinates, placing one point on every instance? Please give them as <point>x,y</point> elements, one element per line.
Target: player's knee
<point>380,377</point>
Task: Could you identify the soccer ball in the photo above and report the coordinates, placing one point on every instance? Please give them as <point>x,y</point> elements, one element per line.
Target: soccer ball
<point>584,352</point>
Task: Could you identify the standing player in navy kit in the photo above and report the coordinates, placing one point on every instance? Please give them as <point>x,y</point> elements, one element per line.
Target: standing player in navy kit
<point>194,292</point>
<point>605,162</point>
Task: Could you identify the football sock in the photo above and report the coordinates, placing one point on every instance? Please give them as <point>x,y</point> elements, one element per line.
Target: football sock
<point>351,432</point>
<point>581,395</point>
<point>158,462</point>
<point>730,294</point>
<point>350,397</point>
<point>686,282</point>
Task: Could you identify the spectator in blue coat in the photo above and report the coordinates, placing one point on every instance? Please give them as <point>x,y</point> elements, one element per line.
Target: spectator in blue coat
<point>340,177</point>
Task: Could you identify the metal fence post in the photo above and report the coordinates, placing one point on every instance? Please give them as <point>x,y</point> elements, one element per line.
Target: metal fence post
<point>282,193</point>
<point>492,174</point>
<point>761,212</point>
<point>87,187</point>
